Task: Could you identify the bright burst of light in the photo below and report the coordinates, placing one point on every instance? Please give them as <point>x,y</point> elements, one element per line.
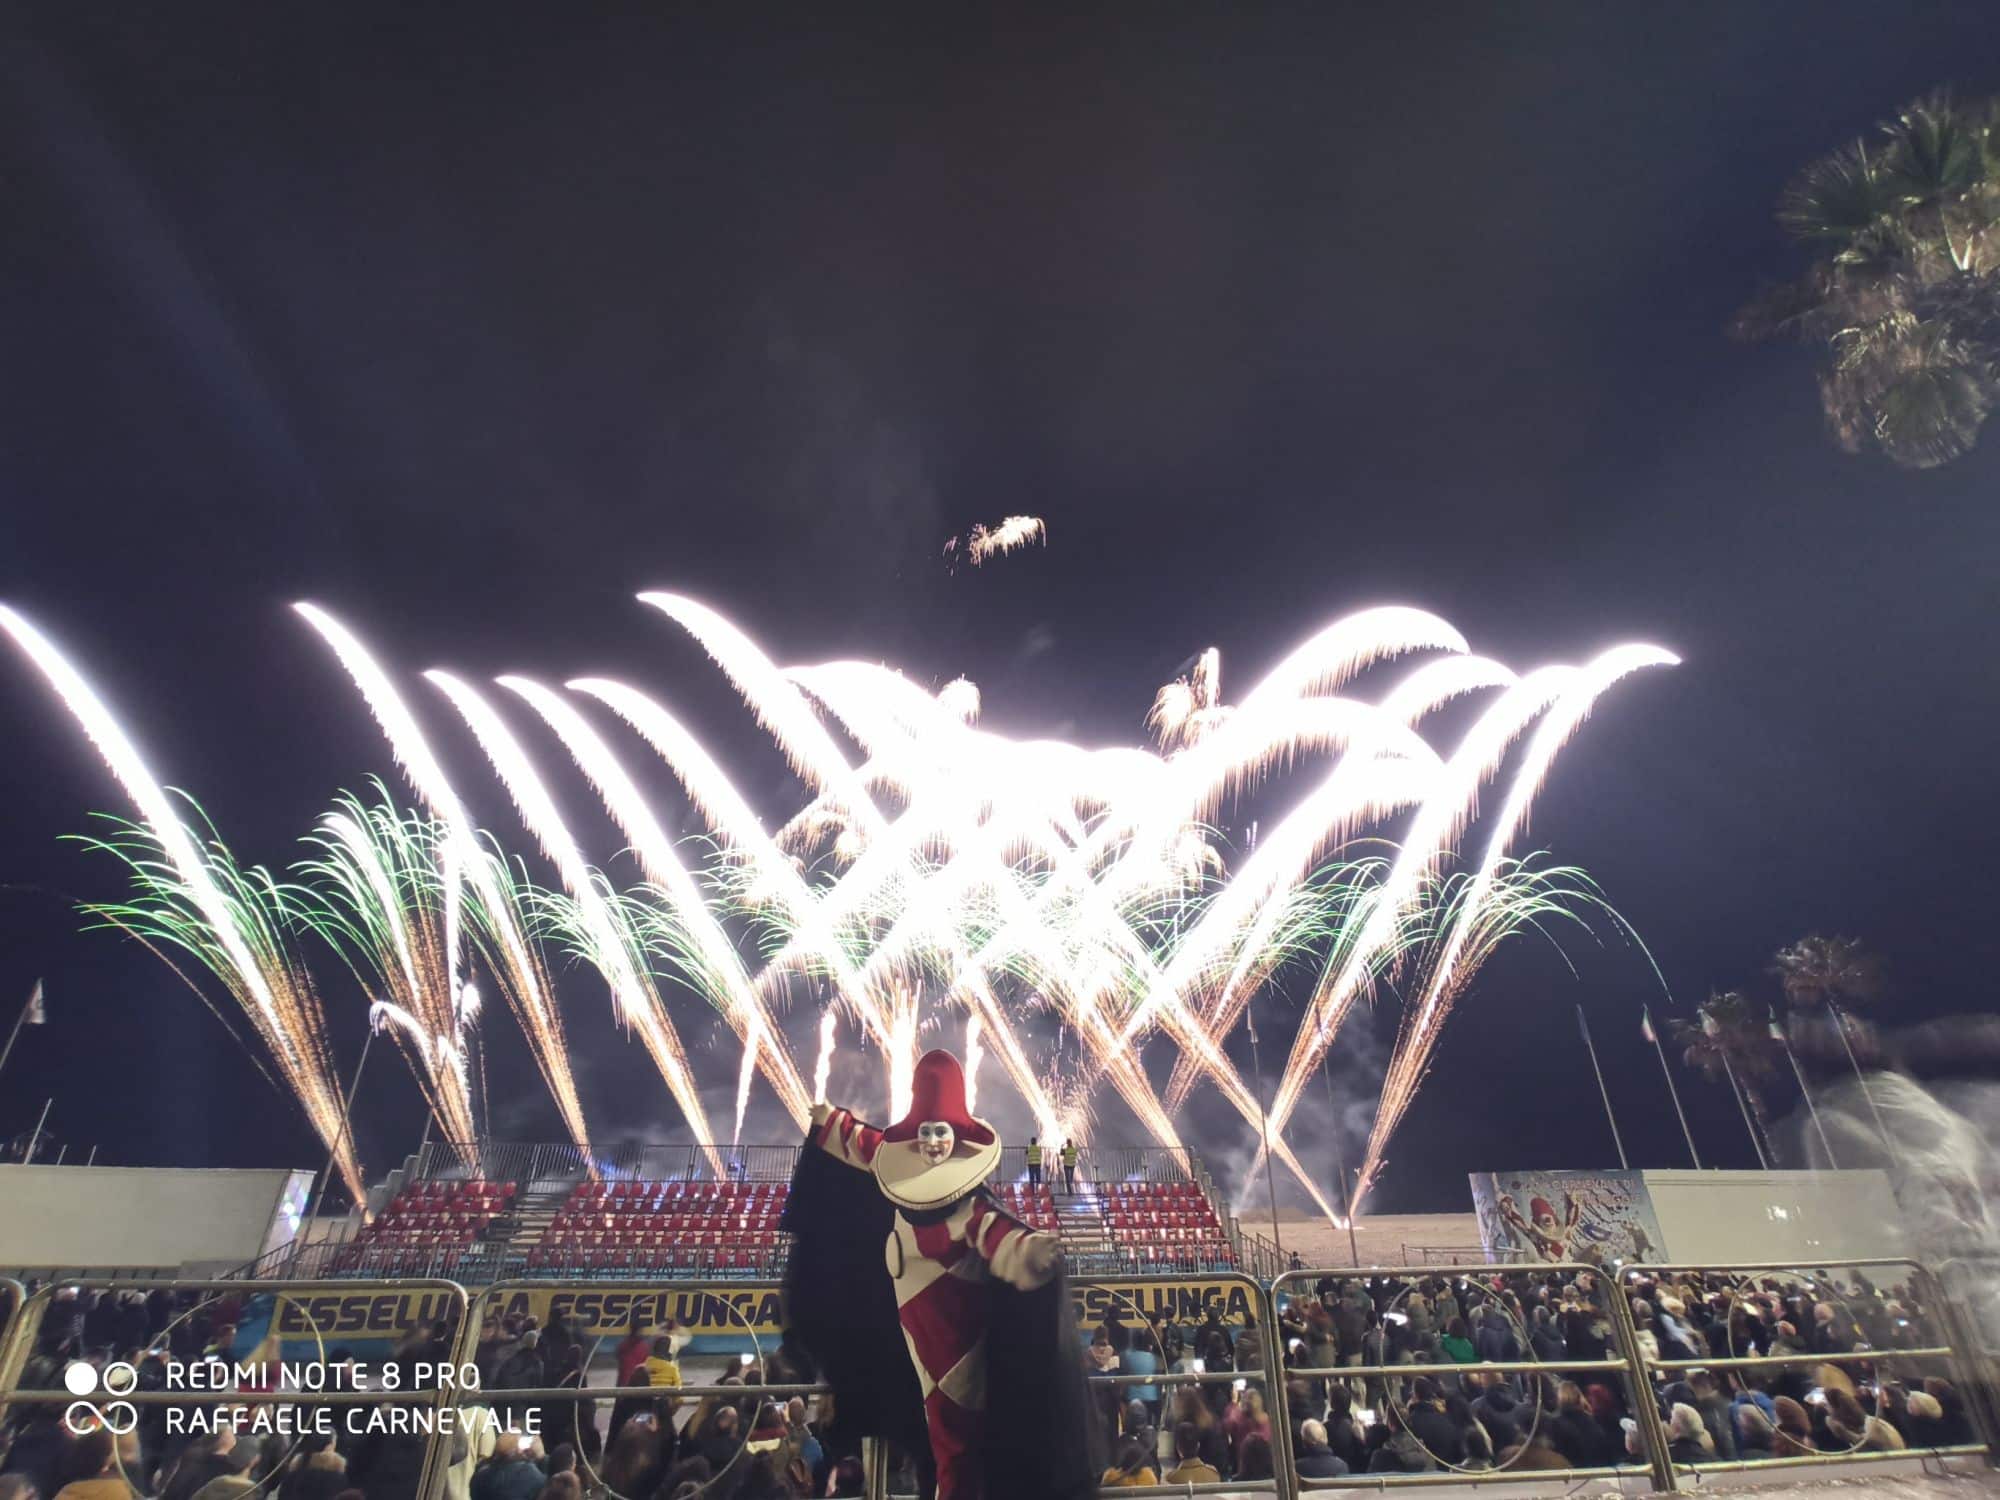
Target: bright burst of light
<point>467,861</point>
<point>984,542</point>
<point>828,1022</point>
<point>1076,906</point>
<point>197,898</point>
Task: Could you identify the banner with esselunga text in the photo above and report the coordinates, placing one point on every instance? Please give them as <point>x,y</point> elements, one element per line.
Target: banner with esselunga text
<point>371,1318</point>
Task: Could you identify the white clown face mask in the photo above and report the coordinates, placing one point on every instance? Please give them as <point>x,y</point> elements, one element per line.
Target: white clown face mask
<point>935,1139</point>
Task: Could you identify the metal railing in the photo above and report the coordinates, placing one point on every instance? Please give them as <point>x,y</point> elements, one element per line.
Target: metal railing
<point>1817,1279</point>
<point>1628,1367</point>
<point>598,1311</point>
<point>1157,1312</point>
<point>186,1385</point>
<point>1162,1306</point>
<point>528,1162</point>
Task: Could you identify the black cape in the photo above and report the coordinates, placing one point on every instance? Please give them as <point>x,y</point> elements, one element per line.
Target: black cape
<point>1042,1441</point>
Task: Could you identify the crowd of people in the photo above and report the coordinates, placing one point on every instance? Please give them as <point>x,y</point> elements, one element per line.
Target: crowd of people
<point>540,1445</point>
<point>1189,1404</point>
<point>1181,1402</point>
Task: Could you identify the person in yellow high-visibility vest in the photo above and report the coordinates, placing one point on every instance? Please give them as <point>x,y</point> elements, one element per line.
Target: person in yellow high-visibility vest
<point>1034,1161</point>
<point>1069,1165</point>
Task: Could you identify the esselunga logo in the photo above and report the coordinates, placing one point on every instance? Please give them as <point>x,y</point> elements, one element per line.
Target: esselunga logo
<point>82,1380</point>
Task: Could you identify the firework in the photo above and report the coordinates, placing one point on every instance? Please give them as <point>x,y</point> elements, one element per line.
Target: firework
<point>828,1022</point>
<point>198,899</point>
<point>598,929</point>
<point>1072,906</point>
<point>377,896</point>
<point>983,542</point>
<point>467,861</point>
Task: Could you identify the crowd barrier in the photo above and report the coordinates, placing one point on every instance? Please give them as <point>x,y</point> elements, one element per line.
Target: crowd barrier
<point>1155,1310</point>
<point>1628,1367</point>
<point>119,1404</point>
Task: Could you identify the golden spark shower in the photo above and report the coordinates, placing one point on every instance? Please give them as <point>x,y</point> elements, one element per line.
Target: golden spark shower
<point>1089,923</point>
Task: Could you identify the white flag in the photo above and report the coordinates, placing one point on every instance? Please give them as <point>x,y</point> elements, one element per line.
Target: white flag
<point>37,1012</point>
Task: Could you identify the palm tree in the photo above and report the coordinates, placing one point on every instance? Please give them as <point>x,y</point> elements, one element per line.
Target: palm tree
<point>1833,974</point>
<point>1903,294</point>
<point>1729,1043</point>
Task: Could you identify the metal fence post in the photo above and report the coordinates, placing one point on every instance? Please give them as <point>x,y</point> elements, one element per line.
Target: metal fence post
<point>1970,1360</point>
<point>1639,1384</point>
<point>1284,1463</point>
<point>875,1468</point>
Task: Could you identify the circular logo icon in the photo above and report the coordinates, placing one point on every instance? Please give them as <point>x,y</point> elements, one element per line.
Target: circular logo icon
<point>120,1376</point>
<point>120,1416</point>
<point>80,1377</point>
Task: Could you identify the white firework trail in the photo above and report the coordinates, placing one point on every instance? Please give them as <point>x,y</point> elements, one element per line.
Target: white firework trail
<point>611,942</point>
<point>282,1008</point>
<point>469,861</point>
<point>829,1022</point>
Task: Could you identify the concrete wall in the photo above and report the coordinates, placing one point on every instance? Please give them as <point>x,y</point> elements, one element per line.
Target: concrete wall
<point>1716,1218</point>
<point>137,1218</point>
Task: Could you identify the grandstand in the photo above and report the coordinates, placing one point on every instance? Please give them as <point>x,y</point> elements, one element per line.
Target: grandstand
<point>494,1210</point>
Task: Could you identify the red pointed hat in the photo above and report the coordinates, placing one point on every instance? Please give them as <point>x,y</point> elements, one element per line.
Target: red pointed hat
<point>937,1092</point>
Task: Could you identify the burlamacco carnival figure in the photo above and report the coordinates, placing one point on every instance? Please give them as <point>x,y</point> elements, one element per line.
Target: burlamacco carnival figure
<point>943,1323</point>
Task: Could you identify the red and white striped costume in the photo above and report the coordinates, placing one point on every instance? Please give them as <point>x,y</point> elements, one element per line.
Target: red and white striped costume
<point>939,1268</point>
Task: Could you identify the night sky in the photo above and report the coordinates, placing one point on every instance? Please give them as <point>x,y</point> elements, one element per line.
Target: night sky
<point>471,326</point>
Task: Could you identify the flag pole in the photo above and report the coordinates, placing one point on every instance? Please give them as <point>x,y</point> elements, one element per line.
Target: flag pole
<point>30,1009</point>
<point>1840,1025</point>
<point>333,1151</point>
<point>1779,1035</point>
<point>1616,1139</point>
<point>1748,1123</point>
<point>36,1139</point>
<point>1653,1036</point>
<point>1339,1158</point>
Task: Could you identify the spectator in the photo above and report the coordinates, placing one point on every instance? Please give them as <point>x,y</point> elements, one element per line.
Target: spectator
<point>561,1487</point>
<point>1244,1420</point>
<point>1924,1422</point>
<point>810,1451</point>
<point>244,1477</point>
<point>1500,1412</point>
<point>18,1487</point>
<point>315,1472</point>
<point>638,1455</point>
<point>1754,1432</point>
<point>1189,1466</point>
<point>511,1474</point>
<point>1537,1453</point>
<point>1476,1445</point>
<point>1136,1360</point>
<point>1457,1347</point>
<point>1687,1436</point>
<point>573,1423</point>
<point>1794,1435</point>
<point>722,1437</point>
<point>1575,1433</point>
<point>38,1448</point>
<point>205,1458</point>
<point>1255,1460</point>
<point>1425,1420</point>
<point>1855,1429</point>
<point>1395,1449</point>
<point>1191,1409</point>
<point>90,1470</point>
<point>1714,1409</point>
<point>1316,1458</point>
<point>1342,1435</point>
<point>1131,1468</point>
